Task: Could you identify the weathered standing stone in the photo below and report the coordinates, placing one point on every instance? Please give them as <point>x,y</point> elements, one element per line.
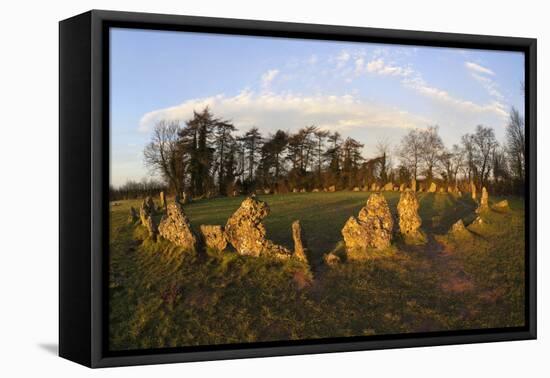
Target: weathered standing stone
<point>388,187</point>
<point>413,185</point>
<point>356,189</point>
<point>373,187</point>
<point>315,190</point>
<point>331,259</point>
<point>332,188</point>
<point>246,232</point>
<point>459,193</point>
<point>295,190</point>
<point>433,188</point>
<point>402,188</point>
<point>185,198</point>
<point>502,205</point>
<point>162,200</point>
<point>133,217</point>
<point>300,247</point>
<point>151,227</point>
<point>214,237</point>
<point>267,191</point>
<point>146,210</point>
<point>441,190</point>
<point>372,228</point>
<point>303,190</point>
<point>484,198</point>
<point>176,228</point>
<point>459,230</point>
<point>450,189</point>
<point>473,190</point>
<point>409,220</point>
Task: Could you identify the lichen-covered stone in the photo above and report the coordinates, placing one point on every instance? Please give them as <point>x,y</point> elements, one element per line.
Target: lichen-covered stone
<point>300,246</point>
<point>213,237</point>
<point>332,188</point>
<point>388,187</point>
<point>331,259</point>
<point>373,227</point>
<point>176,228</point>
<point>246,232</point>
<point>402,188</point>
<point>484,201</point>
<point>162,200</point>
<point>409,220</point>
<point>502,205</point>
<point>356,189</point>
<point>133,216</point>
<point>433,188</point>
<point>146,212</point>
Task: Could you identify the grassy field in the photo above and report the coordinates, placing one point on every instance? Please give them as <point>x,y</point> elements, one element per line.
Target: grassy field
<point>161,296</point>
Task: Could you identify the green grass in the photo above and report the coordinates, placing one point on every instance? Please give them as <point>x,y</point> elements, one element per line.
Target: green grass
<point>161,296</point>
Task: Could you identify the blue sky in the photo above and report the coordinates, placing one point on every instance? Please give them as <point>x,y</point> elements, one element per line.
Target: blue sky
<point>371,92</point>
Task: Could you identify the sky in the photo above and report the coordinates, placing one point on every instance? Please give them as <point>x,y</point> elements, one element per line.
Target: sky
<point>371,92</point>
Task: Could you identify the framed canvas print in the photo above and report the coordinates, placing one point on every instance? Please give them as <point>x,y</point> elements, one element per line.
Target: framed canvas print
<point>234,188</point>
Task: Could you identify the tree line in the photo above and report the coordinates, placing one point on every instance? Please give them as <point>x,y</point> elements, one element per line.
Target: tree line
<point>205,156</point>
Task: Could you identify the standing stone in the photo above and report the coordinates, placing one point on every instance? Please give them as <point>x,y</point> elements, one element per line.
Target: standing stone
<point>214,237</point>
<point>246,232</point>
<point>433,188</point>
<point>162,200</point>
<point>267,191</point>
<point>133,217</point>
<point>176,228</point>
<point>409,220</point>
<point>402,188</point>
<point>459,193</point>
<point>473,189</point>
<point>413,185</point>
<point>303,190</point>
<point>146,210</point>
<point>185,198</point>
<point>300,247</point>
<point>484,203</point>
<point>295,190</point>
<point>372,228</point>
<point>502,205</point>
<point>450,189</point>
<point>315,190</point>
<point>388,187</point>
<point>356,189</point>
<point>441,190</point>
<point>373,187</point>
<point>332,188</point>
<point>151,227</point>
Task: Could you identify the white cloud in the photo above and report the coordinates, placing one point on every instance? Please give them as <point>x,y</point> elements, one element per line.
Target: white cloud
<point>378,66</point>
<point>413,80</point>
<point>419,85</point>
<point>342,58</point>
<point>268,77</point>
<point>478,68</point>
<point>270,112</point>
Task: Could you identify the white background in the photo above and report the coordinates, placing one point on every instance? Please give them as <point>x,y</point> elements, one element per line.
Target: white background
<point>29,173</point>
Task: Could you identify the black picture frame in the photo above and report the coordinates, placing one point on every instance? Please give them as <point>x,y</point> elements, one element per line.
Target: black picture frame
<point>84,180</point>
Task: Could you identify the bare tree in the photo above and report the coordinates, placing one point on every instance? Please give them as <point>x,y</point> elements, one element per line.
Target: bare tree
<point>410,151</point>
<point>431,148</point>
<point>485,143</point>
<point>515,140</point>
<point>163,156</point>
